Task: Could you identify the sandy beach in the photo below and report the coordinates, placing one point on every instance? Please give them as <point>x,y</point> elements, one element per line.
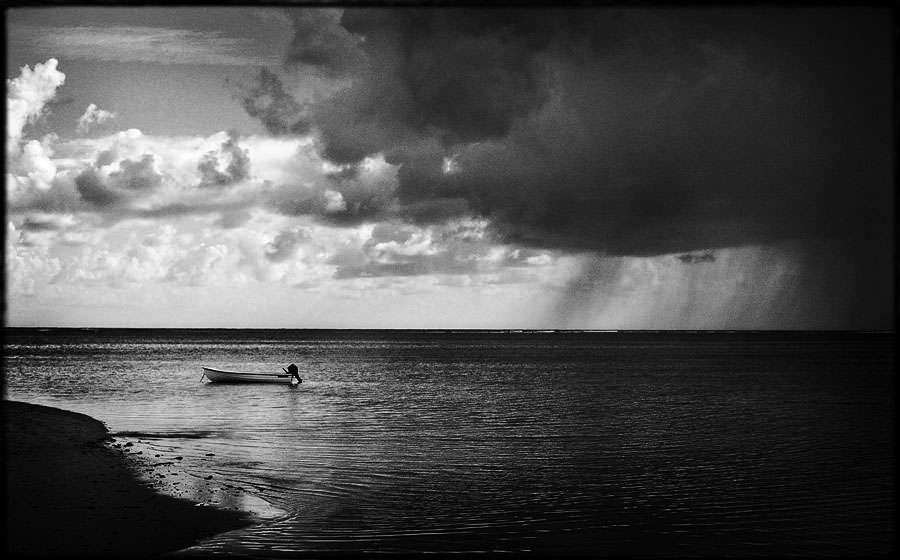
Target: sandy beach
<point>69,494</point>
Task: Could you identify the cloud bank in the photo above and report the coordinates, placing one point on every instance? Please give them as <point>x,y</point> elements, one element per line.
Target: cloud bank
<point>123,212</point>
<point>623,131</point>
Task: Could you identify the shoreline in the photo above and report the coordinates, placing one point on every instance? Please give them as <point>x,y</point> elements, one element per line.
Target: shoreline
<point>68,494</point>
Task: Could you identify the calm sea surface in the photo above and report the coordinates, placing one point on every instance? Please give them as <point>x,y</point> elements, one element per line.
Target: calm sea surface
<point>567,443</point>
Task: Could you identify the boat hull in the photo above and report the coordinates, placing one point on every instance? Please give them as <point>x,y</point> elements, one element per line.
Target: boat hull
<point>220,376</point>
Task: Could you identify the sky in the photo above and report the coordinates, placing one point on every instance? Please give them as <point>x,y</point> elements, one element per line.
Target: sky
<point>532,168</point>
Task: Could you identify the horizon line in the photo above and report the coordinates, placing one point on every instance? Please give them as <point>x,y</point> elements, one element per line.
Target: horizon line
<point>465,329</point>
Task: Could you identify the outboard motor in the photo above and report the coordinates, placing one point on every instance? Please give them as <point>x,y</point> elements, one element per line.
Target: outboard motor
<point>292,369</point>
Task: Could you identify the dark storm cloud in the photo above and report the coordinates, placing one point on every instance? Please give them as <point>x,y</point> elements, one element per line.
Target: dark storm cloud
<point>460,75</point>
<point>434,76</point>
<point>320,41</point>
<point>435,210</point>
<point>624,131</point>
<point>719,136</point>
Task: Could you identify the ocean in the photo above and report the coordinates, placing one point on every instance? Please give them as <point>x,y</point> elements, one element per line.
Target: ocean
<point>562,443</point>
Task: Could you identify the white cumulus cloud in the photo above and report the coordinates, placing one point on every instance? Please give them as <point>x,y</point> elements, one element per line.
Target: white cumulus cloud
<point>27,95</point>
<point>94,116</point>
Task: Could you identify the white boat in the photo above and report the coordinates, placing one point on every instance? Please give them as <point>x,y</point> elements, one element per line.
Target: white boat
<point>220,376</point>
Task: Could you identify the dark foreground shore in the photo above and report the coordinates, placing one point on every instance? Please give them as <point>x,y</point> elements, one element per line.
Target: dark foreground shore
<point>67,494</point>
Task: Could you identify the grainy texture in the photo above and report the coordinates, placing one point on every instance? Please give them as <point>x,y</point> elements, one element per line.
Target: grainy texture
<point>67,494</point>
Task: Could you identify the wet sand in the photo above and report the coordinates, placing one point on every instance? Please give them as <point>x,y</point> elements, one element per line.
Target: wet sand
<point>69,494</point>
